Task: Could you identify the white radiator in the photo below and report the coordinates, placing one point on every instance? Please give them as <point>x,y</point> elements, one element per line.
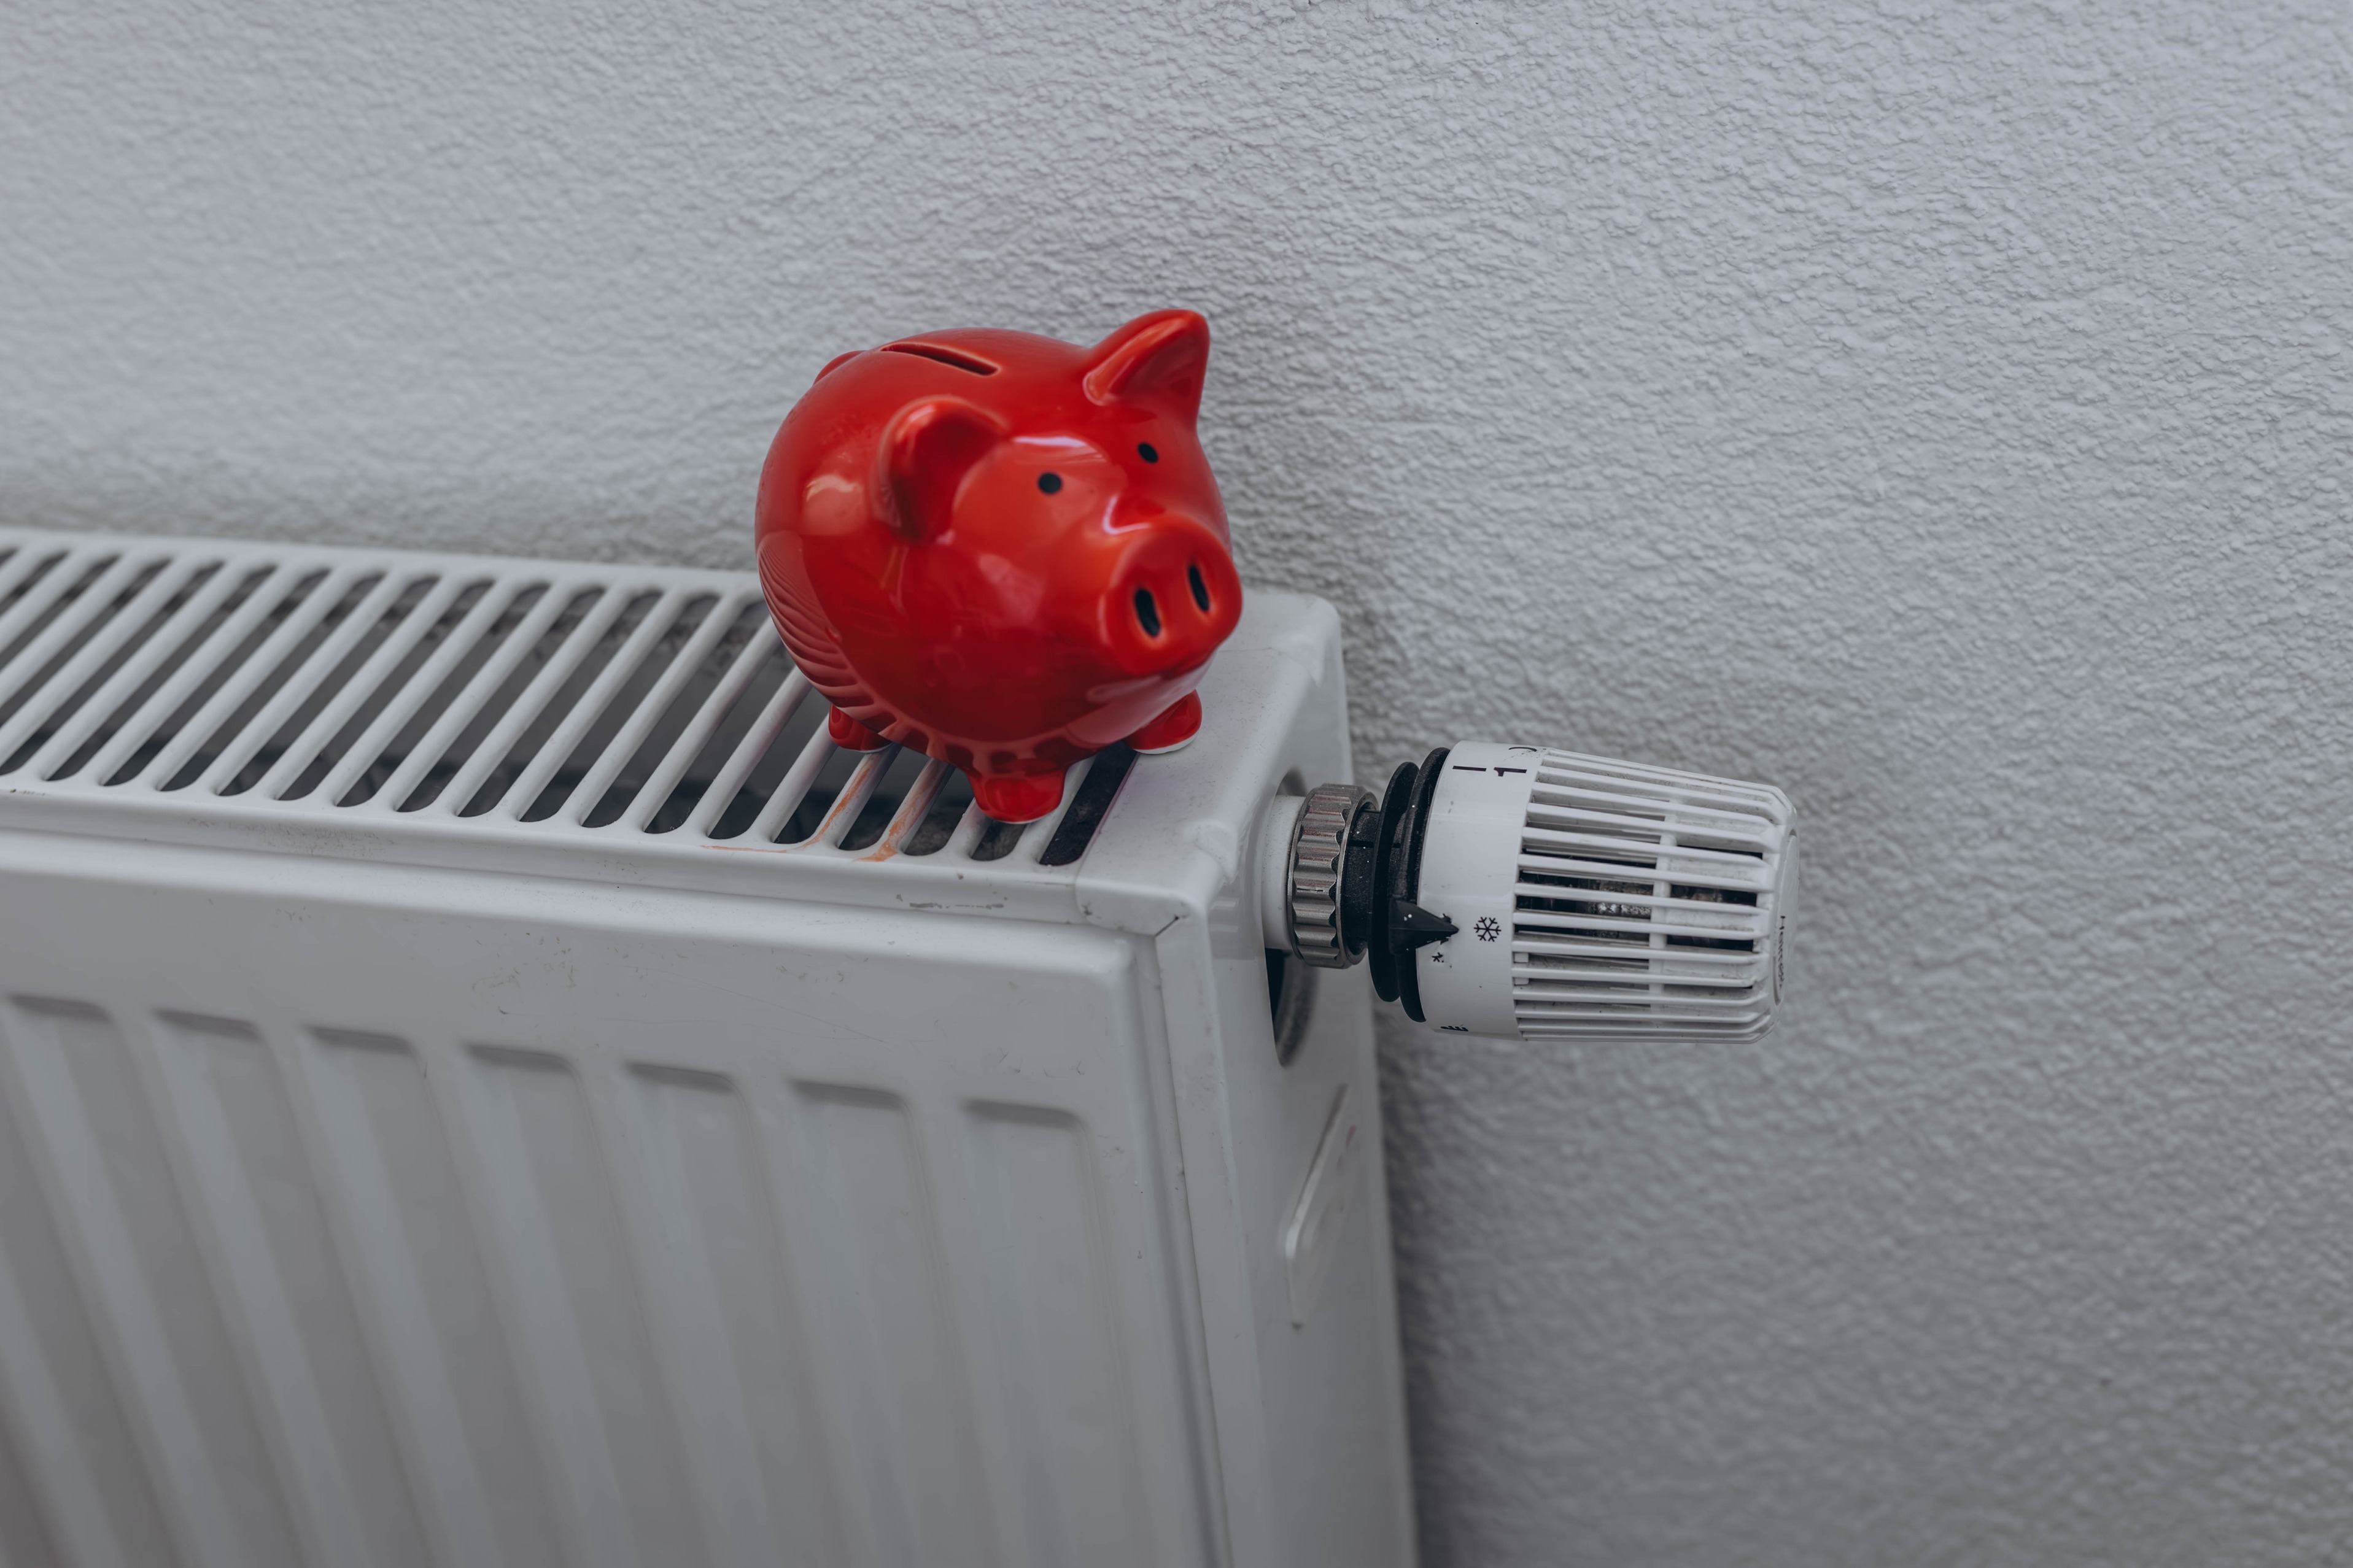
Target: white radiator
<point>486,1083</point>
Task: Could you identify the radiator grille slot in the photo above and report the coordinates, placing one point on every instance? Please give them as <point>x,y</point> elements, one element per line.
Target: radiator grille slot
<point>397,686</point>
<point>532,657</point>
<point>185,587</point>
<point>675,626</point>
<point>409,644</point>
<point>611,628</point>
<point>65,633</point>
<point>209,716</point>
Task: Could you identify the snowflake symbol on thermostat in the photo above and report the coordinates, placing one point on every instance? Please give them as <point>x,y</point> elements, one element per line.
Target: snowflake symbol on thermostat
<point>1487,928</point>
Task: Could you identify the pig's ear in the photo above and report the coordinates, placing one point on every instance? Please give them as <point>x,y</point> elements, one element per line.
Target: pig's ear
<point>928,448</point>
<point>1155,361</point>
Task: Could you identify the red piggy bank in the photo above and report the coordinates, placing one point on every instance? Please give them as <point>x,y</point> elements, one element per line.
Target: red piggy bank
<point>1003,550</point>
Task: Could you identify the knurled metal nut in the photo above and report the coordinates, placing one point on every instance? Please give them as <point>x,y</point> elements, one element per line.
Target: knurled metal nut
<point>1319,847</point>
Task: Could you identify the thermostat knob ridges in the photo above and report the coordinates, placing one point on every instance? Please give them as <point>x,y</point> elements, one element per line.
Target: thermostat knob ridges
<point>1532,892</point>
<point>1319,854</point>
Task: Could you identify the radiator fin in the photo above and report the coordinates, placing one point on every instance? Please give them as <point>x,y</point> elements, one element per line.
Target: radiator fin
<point>83,1456</point>
<point>912,1425</point>
<point>141,1265</point>
<point>1057,1359</point>
<point>293,682</point>
<point>274,1295</point>
<point>312,1369</point>
<point>601,1411</point>
<point>24,1537</point>
<point>741,1353</point>
<point>446,1355</point>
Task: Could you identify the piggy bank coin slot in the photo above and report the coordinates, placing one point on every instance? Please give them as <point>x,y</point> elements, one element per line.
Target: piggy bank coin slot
<point>957,359</point>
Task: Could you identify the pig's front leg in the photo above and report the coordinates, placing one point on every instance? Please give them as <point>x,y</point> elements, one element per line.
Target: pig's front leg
<point>1022,798</point>
<point>850,734</point>
<point>1177,724</point>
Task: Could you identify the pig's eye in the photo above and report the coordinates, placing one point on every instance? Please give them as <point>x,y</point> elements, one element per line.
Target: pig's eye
<point>1147,451</point>
<point>1049,483</point>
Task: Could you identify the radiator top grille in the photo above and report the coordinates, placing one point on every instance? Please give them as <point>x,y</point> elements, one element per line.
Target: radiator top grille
<point>489,698</point>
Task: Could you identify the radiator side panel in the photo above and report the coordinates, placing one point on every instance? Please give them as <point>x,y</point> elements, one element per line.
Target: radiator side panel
<point>1308,1394</point>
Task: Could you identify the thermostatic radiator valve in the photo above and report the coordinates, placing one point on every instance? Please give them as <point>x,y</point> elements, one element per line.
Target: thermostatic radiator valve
<point>1535,893</point>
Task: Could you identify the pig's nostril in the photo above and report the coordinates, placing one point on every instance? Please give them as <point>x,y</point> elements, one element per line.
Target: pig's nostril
<point>1200,588</point>
<point>1147,614</point>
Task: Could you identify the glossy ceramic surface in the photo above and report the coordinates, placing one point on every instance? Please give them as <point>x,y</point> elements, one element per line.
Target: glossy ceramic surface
<point>1003,550</point>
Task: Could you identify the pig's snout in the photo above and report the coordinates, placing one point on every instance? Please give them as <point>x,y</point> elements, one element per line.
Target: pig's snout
<point>1174,597</point>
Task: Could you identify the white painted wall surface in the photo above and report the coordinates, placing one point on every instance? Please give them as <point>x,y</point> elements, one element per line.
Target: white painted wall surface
<point>1940,411</point>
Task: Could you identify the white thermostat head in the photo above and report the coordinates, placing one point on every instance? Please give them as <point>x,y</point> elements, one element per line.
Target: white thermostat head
<point>1533,893</point>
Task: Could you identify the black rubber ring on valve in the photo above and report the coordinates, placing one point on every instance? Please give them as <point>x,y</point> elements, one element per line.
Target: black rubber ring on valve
<point>1408,885</point>
<point>1389,852</point>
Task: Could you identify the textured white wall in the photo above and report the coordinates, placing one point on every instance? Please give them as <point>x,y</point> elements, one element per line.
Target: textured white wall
<point>1940,411</point>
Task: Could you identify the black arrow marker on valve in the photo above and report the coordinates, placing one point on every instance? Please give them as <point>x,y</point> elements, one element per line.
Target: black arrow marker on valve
<point>1411,926</point>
